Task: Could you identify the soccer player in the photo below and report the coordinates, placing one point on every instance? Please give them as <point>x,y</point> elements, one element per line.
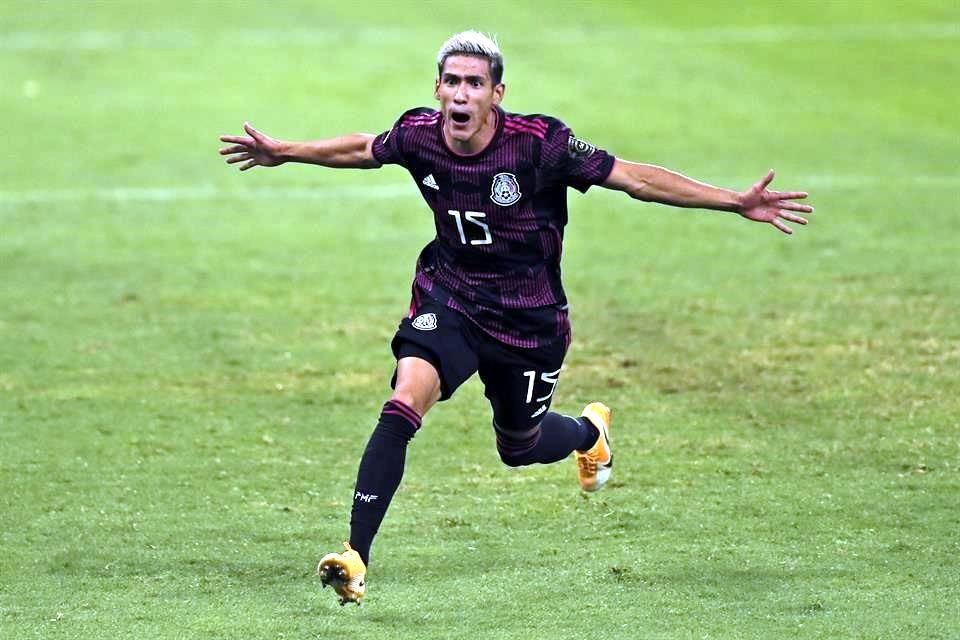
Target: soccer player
<point>487,296</point>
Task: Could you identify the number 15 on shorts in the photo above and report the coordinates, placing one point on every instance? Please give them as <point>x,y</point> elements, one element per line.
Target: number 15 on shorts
<point>548,384</point>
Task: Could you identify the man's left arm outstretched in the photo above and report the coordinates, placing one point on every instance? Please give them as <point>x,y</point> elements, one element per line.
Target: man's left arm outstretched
<point>651,183</point>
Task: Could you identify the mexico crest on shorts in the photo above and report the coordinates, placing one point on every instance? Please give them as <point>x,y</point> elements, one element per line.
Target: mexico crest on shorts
<point>505,189</point>
<point>425,322</point>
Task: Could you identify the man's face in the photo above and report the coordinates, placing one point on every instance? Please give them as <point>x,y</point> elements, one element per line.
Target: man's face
<point>467,95</point>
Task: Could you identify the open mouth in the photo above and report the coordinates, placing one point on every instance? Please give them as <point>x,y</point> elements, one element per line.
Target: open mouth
<point>460,118</point>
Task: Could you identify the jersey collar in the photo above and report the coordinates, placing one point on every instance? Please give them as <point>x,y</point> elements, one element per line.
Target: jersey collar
<point>498,131</point>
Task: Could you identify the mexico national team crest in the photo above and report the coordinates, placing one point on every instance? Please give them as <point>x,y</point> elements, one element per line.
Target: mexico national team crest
<point>425,322</point>
<point>505,189</point>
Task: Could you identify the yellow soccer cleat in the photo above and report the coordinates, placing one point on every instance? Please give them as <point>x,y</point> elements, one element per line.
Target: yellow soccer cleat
<point>346,573</point>
<point>594,465</point>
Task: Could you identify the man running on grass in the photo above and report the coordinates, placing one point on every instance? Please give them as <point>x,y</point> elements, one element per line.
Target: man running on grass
<point>487,296</point>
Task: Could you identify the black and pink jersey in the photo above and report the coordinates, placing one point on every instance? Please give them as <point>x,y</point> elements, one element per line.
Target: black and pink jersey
<point>499,215</point>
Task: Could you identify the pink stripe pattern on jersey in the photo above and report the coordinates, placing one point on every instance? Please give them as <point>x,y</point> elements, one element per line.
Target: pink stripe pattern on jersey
<point>422,116</point>
<point>421,120</point>
<point>536,124</point>
<point>524,127</point>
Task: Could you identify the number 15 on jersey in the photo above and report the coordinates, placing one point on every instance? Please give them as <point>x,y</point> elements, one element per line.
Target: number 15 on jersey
<point>473,230</point>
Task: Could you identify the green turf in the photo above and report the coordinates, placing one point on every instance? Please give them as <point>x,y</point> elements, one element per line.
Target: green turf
<point>192,358</point>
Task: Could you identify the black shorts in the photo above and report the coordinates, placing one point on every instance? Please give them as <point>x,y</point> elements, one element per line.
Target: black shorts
<point>518,382</point>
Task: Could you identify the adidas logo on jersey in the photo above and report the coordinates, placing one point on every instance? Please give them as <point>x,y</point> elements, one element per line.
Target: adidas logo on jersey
<point>430,182</point>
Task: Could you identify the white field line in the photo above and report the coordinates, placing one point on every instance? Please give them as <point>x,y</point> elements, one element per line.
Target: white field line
<point>206,193</point>
<point>811,182</point>
<point>403,190</point>
<point>173,38</point>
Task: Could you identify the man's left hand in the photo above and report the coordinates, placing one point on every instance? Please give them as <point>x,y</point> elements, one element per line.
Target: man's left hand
<point>773,207</point>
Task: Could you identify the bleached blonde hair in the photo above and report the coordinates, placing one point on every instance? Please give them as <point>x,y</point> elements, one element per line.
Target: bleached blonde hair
<point>473,43</point>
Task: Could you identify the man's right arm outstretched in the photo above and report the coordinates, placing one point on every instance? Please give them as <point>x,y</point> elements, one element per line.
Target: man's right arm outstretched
<point>354,151</point>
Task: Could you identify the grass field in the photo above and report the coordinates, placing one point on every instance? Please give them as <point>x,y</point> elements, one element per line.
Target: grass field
<point>192,358</point>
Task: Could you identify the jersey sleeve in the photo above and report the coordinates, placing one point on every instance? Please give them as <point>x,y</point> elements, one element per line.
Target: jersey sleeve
<point>575,162</point>
<point>387,148</point>
<point>392,146</point>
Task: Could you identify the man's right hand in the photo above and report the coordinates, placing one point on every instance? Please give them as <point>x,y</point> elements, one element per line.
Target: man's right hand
<point>254,149</point>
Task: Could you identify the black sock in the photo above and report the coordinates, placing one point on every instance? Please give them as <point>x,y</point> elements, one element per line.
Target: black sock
<point>555,439</point>
<point>381,469</point>
<point>591,435</point>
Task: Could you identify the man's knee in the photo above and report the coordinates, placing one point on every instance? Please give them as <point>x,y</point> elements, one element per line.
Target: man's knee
<point>515,457</point>
<point>516,448</point>
<point>409,398</point>
<point>514,461</point>
<point>417,384</point>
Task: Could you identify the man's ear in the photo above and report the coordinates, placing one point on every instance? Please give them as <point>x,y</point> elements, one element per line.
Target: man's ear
<point>498,92</point>
<point>436,89</point>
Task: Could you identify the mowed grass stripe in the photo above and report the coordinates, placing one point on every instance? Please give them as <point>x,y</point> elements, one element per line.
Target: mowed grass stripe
<point>201,192</point>
<point>178,38</point>
<point>390,191</point>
